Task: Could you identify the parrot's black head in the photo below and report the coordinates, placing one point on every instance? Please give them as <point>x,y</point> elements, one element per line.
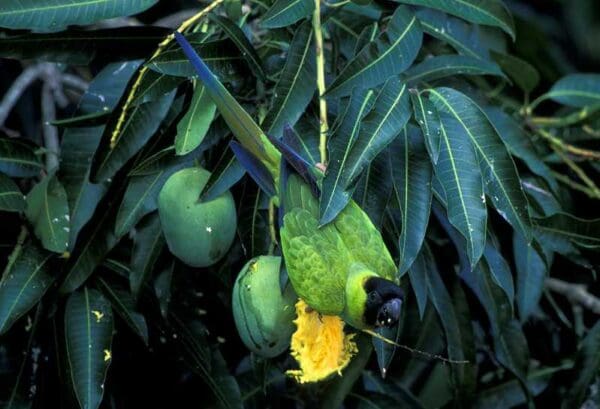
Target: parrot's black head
<point>384,302</point>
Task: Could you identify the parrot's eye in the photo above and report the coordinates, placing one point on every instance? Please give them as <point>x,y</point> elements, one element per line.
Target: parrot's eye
<point>389,314</point>
<point>374,297</point>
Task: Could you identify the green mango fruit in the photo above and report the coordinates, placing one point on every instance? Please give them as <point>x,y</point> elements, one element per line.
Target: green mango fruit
<point>197,232</point>
<point>263,314</point>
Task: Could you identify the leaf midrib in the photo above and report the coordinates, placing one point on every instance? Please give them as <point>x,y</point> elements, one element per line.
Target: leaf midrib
<point>33,10</point>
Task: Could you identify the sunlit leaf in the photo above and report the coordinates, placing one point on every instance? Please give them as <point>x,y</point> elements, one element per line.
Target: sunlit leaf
<point>192,128</point>
<point>428,119</point>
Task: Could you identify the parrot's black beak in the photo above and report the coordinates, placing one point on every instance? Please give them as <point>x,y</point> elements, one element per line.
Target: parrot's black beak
<point>384,302</point>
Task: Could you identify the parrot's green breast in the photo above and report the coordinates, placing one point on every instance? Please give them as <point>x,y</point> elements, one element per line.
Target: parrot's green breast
<point>320,259</point>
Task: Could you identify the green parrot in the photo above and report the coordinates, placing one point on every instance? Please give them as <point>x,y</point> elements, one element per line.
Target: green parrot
<point>342,268</point>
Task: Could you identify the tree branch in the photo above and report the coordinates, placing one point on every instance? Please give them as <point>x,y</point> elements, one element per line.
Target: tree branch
<point>575,293</point>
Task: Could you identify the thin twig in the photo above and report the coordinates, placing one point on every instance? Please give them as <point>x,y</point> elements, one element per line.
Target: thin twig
<point>144,69</point>
<point>579,171</point>
<point>576,293</point>
<point>324,126</point>
<point>559,143</point>
<point>28,76</point>
<point>49,131</point>
<point>574,185</point>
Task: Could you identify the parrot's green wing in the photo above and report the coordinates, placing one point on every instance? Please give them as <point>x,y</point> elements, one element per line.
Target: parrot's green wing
<point>318,259</point>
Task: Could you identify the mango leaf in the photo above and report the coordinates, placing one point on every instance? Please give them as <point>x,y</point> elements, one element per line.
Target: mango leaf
<point>90,250</point>
<point>18,159</point>
<point>241,124</point>
<point>192,128</point>
<point>380,126</point>
<point>81,47</point>
<point>443,304</point>
<point>428,119</point>
<point>53,15</point>
<point>148,244</point>
<point>417,274</point>
<point>585,369</point>
<point>238,37</point>
<point>511,349</point>
<point>499,268</point>
<point>487,12</point>
<point>411,173</point>
<point>296,85</point>
<point>519,144</point>
<point>48,211</point>
<point>574,90</point>
<point>462,185</point>
<point>531,273</point>
<point>11,198</point>
<point>222,56</point>
<point>142,122</point>
<point>497,167</point>
<point>226,173</point>
<point>24,282</point>
<point>286,12</point>
<point>383,350</point>
<point>393,52</point>
<point>374,188</point>
<point>88,336</point>
<point>141,198</point>
<point>519,71</point>
<point>463,37</point>
<point>155,85</point>
<point>583,232</point>
<point>124,306</point>
<point>442,66</point>
<point>334,195</point>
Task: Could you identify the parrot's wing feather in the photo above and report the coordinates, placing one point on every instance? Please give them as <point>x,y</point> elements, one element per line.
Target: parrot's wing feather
<point>364,241</point>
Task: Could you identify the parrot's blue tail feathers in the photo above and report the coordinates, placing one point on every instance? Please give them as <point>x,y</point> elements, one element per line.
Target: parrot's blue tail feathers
<point>255,168</point>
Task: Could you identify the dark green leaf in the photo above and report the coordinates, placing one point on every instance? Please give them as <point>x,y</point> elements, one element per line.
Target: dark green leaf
<point>124,305</point>
<point>512,351</point>
<point>155,85</point>
<point>449,66</point>
<point>148,243</point>
<point>374,188</point>
<point>502,183</point>
<point>90,250</point>
<point>11,198</point>
<point>464,38</point>
<point>221,56</point>
<point>242,43</point>
<point>88,336</point>
<point>393,51</point>
<point>24,282</point>
<point>385,351</point>
<point>575,90</point>
<point>518,142</point>
<point>296,84</point>
<point>585,233</point>
<point>286,12</point>
<point>586,368</point>
<point>428,119</point>
<point>531,273</point>
<point>141,123</point>
<point>520,72</point>
<point>457,170</point>
<point>411,172</point>
<point>417,274</point>
<point>17,159</point>
<point>486,12</point>
<point>334,195</point>
<point>445,309</point>
<point>227,172</point>
<point>48,211</point>
<point>192,128</point>
<point>77,46</point>
<point>53,15</point>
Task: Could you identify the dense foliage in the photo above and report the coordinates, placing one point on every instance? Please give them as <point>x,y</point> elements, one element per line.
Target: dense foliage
<point>467,130</point>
